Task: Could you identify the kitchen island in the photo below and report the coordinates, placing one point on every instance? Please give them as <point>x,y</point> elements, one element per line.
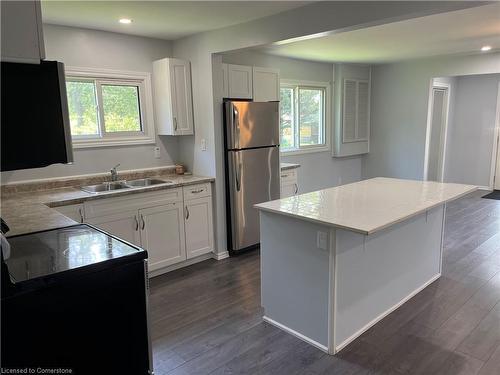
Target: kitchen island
<point>336,261</point>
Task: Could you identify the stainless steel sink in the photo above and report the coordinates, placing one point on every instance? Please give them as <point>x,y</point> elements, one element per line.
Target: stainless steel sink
<point>105,186</point>
<point>147,182</point>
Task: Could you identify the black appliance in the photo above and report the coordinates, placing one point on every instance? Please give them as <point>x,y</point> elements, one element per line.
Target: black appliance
<point>77,298</point>
<point>35,128</point>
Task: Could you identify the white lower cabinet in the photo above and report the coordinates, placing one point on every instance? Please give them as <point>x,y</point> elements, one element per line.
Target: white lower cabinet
<point>198,226</point>
<point>289,183</point>
<point>162,235</point>
<point>124,225</point>
<point>172,225</point>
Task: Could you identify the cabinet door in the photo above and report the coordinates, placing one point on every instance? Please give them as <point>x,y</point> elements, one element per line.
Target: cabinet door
<point>162,235</point>
<point>73,211</point>
<point>240,81</point>
<point>22,38</point>
<point>182,101</point>
<point>288,190</point>
<point>266,84</point>
<point>225,83</point>
<point>124,225</point>
<point>198,226</point>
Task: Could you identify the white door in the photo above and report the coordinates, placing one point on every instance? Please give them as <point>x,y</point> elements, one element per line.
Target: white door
<point>198,226</point>
<point>266,84</point>
<point>162,235</point>
<point>436,153</point>
<point>182,102</point>
<point>240,81</point>
<point>124,225</point>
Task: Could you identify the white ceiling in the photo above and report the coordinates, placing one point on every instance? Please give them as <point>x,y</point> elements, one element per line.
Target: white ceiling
<point>160,19</point>
<point>455,32</point>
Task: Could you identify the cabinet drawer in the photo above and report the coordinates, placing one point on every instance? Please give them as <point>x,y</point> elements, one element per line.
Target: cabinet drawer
<point>109,206</point>
<point>197,191</point>
<point>289,176</point>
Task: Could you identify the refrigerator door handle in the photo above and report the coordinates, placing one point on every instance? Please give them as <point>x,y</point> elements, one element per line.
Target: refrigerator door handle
<point>236,123</point>
<point>238,177</point>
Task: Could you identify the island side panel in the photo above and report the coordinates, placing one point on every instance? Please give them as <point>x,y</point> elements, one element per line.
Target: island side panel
<point>295,277</point>
<point>375,274</point>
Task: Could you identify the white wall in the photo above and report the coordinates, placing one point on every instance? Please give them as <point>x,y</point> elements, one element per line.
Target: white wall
<point>308,20</point>
<point>318,170</point>
<point>399,103</point>
<point>471,130</point>
<point>98,49</point>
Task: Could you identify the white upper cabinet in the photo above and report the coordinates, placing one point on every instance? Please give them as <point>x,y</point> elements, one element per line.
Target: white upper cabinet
<point>21,28</point>
<point>240,81</point>
<point>225,83</point>
<point>266,84</point>
<point>173,97</point>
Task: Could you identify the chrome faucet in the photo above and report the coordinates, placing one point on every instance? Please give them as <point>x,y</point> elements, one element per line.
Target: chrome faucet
<point>114,173</point>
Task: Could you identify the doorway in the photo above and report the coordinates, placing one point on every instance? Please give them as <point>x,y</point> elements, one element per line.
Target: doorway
<point>437,132</point>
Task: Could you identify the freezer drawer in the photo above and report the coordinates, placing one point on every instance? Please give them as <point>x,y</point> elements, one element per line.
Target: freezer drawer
<point>254,177</point>
<point>251,124</point>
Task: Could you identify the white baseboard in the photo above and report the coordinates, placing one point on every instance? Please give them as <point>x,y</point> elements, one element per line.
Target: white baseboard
<point>185,263</point>
<point>384,314</point>
<point>487,188</point>
<point>296,334</point>
<point>220,256</point>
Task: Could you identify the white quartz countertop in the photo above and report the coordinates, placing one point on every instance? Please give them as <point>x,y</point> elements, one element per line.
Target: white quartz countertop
<point>370,205</point>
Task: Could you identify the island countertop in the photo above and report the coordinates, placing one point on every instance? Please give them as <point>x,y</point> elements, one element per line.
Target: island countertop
<point>370,205</point>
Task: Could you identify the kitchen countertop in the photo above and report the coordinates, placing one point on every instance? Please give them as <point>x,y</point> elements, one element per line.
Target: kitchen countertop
<point>32,211</point>
<point>287,166</point>
<point>370,205</point>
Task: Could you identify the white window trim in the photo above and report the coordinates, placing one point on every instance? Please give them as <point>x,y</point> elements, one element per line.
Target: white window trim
<point>146,102</point>
<point>313,149</point>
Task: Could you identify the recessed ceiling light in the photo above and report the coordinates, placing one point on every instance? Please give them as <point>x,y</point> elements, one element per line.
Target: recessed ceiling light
<point>485,48</point>
<point>125,20</point>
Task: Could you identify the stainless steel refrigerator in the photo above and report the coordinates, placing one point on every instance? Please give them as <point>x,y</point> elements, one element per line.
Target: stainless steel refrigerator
<point>252,167</point>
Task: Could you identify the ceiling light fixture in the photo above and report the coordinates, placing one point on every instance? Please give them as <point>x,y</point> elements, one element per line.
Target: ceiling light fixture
<point>485,48</point>
<point>125,21</point>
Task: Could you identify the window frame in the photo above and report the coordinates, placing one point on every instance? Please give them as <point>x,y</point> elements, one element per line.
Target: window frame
<point>142,81</point>
<point>302,84</point>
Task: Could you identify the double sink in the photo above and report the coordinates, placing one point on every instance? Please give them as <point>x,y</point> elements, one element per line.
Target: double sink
<point>119,185</point>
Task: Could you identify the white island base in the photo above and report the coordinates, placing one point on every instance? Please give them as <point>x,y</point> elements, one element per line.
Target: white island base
<point>327,282</point>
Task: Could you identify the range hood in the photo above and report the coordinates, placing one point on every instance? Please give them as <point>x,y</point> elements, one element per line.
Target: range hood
<point>35,129</point>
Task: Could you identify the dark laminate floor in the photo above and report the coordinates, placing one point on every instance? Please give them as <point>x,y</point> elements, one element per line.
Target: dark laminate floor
<point>207,319</point>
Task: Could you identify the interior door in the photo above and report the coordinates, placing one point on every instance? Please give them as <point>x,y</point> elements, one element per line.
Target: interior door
<point>123,225</point>
<point>439,113</point>
<point>162,234</point>
<point>198,226</point>
<point>254,178</point>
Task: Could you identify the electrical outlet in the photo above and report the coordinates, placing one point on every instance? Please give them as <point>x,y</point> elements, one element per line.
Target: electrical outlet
<point>157,152</point>
<point>203,144</point>
<point>322,240</point>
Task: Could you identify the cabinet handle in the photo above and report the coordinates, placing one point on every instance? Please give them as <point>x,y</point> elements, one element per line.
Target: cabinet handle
<point>136,223</point>
<point>175,123</point>
<point>197,191</point>
<point>284,175</point>
<point>81,215</point>
<point>296,189</point>
<point>143,222</point>
<point>187,212</point>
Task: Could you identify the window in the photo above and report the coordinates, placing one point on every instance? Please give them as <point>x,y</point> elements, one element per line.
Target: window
<point>303,117</point>
<point>109,108</point>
